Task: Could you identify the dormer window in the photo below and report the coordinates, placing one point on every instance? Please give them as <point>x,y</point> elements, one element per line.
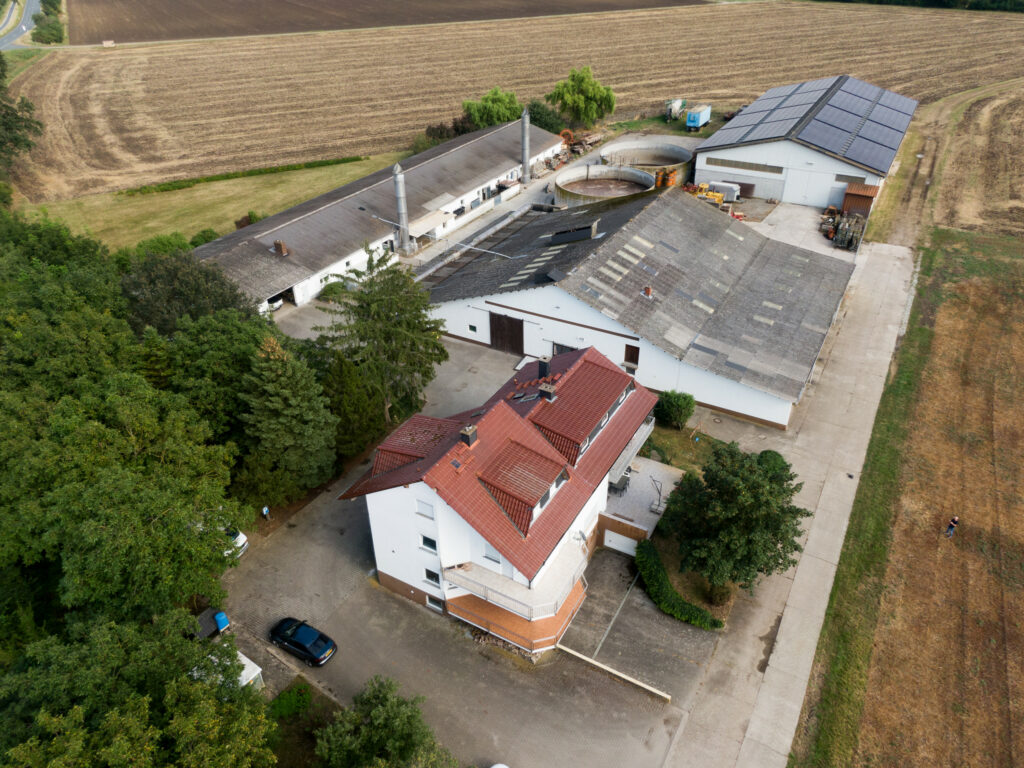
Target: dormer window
<point>560,480</point>
<point>550,493</point>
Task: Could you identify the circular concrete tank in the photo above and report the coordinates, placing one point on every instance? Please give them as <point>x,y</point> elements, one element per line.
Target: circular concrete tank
<point>665,161</point>
<point>591,183</point>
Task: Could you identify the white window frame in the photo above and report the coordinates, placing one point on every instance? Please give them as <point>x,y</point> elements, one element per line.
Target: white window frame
<point>424,509</point>
<point>432,547</point>
<point>429,580</point>
<point>435,603</point>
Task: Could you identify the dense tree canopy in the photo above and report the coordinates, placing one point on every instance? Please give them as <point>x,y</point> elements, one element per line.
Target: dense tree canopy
<point>737,521</point>
<point>545,117</point>
<point>113,506</point>
<point>383,325</point>
<point>161,288</point>
<point>582,98</point>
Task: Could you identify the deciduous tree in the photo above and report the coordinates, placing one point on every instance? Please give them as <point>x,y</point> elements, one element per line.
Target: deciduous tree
<point>383,730</point>
<point>737,521</point>
<point>582,98</point>
<point>160,289</point>
<point>496,106</point>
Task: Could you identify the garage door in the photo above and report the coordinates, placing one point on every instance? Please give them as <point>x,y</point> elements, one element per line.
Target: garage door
<point>619,543</point>
<point>507,333</point>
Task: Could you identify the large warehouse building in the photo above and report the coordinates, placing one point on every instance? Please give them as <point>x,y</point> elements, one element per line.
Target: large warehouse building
<point>805,143</point>
<point>293,253</point>
<point>681,295</point>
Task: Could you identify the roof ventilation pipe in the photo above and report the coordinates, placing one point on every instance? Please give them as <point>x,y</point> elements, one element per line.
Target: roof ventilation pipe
<point>526,145</point>
<point>543,366</point>
<point>468,434</point>
<point>403,208</point>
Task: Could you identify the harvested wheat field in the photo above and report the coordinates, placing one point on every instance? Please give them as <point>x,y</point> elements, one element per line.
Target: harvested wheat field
<point>118,118</point>
<point>946,684</point>
<point>983,182</point>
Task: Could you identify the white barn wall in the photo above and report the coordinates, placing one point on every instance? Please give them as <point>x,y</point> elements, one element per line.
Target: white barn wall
<point>550,315</point>
<point>808,176</point>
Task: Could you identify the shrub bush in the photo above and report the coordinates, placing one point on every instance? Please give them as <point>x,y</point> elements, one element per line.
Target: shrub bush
<point>674,408</point>
<point>664,595</point>
<point>6,195</point>
<point>291,702</point>
<point>203,236</point>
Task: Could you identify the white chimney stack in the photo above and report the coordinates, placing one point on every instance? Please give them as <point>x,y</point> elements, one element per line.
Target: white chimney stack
<point>403,208</point>
<point>526,145</point>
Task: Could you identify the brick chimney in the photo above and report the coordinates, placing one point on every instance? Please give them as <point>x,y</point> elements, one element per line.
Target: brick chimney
<point>280,248</point>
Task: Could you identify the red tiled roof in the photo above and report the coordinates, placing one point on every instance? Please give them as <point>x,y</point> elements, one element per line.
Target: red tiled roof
<point>582,398</point>
<point>495,484</point>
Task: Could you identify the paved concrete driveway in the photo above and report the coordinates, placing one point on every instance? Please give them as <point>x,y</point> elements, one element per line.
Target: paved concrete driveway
<point>485,705</point>
<point>619,626</point>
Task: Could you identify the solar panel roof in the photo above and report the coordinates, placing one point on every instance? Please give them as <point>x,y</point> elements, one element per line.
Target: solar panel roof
<point>843,116</point>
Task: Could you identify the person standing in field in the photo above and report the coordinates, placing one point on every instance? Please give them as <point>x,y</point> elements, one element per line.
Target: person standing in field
<point>953,523</point>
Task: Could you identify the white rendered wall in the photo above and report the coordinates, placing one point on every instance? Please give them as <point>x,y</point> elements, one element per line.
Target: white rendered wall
<point>808,176</point>
<point>310,288</point>
<point>396,527</point>
<point>550,315</point>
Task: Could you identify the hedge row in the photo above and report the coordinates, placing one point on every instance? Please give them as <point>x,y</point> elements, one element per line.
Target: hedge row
<point>664,595</point>
<point>170,186</point>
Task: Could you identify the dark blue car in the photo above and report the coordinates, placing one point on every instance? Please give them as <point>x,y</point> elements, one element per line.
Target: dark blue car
<point>301,640</point>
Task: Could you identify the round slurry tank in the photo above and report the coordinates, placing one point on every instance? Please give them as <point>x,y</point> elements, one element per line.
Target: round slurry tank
<point>658,157</point>
<point>591,183</point>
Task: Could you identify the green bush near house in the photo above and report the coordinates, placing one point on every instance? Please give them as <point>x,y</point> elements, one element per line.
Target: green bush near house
<point>664,595</point>
<point>674,408</point>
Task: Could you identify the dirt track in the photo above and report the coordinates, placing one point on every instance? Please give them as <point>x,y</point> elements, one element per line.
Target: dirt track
<point>93,21</point>
<point>129,116</point>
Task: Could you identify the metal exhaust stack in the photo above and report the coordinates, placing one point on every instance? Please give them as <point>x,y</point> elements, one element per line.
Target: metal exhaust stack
<point>403,208</point>
<point>526,145</point>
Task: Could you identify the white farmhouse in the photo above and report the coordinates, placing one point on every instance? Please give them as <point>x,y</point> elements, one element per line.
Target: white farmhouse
<point>805,143</point>
<point>491,515</point>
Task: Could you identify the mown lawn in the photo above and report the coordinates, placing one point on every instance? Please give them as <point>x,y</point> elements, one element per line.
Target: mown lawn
<point>123,220</point>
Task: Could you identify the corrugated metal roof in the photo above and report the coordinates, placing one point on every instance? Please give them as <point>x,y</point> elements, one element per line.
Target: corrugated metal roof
<point>321,231</point>
<point>725,298</point>
<point>841,116</point>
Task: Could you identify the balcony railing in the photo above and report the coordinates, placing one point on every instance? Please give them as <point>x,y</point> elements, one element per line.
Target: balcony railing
<point>508,594</point>
<point>631,450</point>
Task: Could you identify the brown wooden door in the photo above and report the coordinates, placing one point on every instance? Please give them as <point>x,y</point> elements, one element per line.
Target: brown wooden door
<point>507,333</point>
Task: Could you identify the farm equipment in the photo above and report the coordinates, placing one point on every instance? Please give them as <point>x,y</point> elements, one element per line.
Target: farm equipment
<point>704,192</point>
<point>579,145</point>
<point>698,117</point>
<point>845,230</point>
<point>674,109</point>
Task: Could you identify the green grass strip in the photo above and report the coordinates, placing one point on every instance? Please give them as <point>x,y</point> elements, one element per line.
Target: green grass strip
<point>170,186</point>
<point>664,595</point>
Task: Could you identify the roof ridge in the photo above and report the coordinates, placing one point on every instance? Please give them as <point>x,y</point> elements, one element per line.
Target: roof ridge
<point>483,134</point>
<point>819,105</point>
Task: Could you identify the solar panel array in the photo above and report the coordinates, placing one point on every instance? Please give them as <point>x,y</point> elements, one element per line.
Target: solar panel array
<point>843,116</point>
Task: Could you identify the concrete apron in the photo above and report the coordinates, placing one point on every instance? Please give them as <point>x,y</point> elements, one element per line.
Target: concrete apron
<point>747,708</point>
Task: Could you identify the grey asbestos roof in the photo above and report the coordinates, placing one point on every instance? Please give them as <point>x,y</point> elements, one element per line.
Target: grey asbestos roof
<point>724,298</point>
<point>321,231</point>
<point>841,116</point>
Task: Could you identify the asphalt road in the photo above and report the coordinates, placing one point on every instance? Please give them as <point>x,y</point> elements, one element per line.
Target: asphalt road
<point>28,8</point>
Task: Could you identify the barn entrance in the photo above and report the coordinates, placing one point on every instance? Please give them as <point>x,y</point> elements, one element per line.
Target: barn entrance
<point>507,334</point>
